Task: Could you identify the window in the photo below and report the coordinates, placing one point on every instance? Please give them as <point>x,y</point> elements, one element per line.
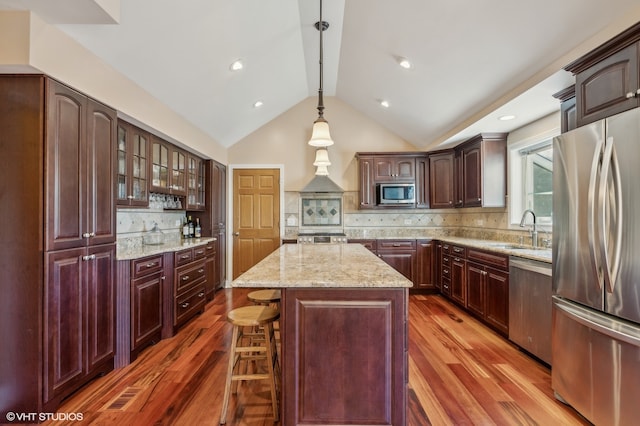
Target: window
<point>531,183</point>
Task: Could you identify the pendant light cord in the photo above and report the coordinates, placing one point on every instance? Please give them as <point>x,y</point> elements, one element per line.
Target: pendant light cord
<point>321,26</point>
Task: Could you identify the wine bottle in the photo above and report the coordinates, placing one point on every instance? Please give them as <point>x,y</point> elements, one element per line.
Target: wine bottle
<point>198,228</point>
<point>185,228</point>
<point>192,231</point>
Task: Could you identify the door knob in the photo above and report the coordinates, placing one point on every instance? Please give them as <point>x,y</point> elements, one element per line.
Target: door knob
<point>236,234</point>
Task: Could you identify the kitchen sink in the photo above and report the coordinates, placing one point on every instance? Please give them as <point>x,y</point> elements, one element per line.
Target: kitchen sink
<point>508,246</point>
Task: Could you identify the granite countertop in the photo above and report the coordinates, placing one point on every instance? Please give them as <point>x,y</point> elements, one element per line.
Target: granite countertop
<point>541,254</point>
<point>139,251</point>
<point>322,266</point>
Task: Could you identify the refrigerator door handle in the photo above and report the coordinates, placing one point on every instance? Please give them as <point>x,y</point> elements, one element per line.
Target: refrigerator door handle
<point>615,329</point>
<point>591,212</point>
<point>610,201</point>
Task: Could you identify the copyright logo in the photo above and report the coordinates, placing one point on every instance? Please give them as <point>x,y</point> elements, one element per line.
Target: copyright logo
<point>11,416</point>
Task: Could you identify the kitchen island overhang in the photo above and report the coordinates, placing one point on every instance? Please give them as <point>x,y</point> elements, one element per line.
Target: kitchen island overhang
<point>344,315</point>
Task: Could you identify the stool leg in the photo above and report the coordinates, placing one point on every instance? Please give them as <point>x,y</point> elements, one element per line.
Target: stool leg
<point>271,361</point>
<point>227,386</point>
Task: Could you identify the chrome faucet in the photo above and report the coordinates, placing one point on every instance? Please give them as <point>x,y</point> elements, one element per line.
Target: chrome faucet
<point>534,230</point>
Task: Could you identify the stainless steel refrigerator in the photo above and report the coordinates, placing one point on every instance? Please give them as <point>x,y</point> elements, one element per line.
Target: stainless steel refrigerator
<point>596,269</point>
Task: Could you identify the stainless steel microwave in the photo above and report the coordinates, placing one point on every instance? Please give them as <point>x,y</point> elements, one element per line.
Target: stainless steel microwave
<point>396,193</point>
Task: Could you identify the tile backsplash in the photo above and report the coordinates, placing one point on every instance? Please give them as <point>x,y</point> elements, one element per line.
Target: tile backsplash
<point>133,223</point>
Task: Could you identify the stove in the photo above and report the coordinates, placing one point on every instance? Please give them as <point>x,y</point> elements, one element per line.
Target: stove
<point>322,238</point>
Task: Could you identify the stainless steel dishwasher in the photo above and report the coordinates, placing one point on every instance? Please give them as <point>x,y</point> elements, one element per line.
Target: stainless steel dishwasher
<point>530,306</point>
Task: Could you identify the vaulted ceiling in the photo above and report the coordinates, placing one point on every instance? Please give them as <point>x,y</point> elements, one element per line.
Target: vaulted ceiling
<point>472,60</point>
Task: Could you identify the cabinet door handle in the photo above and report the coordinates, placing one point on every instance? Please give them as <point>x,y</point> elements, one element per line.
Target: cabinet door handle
<point>90,257</point>
<point>638,92</point>
<point>88,234</point>
<point>631,95</point>
<point>130,197</point>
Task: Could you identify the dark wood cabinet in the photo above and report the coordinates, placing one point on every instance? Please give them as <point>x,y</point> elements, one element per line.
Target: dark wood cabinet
<point>445,269</point>
<point>186,292</point>
<point>425,265</point>
<point>133,166</point>
<point>168,168</point>
<point>609,87</point>
<point>484,170</point>
<point>458,275</point>
<point>488,288</point>
<point>212,276</point>
<point>568,110</point>
<point>58,233</point>
<point>148,277</point>
<point>361,333</point>
<point>367,188</point>
<point>196,187</point>
<point>422,183</point>
<point>394,168</point>
<point>384,167</point>
<point>80,167</point>
<point>608,78</point>
<point>79,318</point>
<point>400,254</point>
<point>442,179</point>
<point>370,244</point>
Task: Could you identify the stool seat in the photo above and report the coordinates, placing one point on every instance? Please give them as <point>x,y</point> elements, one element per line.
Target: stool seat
<point>264,297</point>
<point>253,316</point>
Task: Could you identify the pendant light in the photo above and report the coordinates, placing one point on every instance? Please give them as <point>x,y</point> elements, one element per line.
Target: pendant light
<point>320,136</point>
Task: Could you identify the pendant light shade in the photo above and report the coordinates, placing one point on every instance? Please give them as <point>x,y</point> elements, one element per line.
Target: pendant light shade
<point>320,136</point>
<point>322,157</point>
<point>322,171</point>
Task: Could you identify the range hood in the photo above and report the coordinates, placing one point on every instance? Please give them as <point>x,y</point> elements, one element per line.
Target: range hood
<point>322,184</point>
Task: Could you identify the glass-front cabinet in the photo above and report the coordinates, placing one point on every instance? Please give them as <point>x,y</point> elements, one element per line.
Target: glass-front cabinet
<point>195,183</point>
<point>168,168</point>
<point>133,157</point>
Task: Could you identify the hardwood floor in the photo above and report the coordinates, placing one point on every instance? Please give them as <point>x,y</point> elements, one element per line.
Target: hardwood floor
<point>460,373</point>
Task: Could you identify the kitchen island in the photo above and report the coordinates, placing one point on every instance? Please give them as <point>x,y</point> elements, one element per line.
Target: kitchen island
<point>343,333</point>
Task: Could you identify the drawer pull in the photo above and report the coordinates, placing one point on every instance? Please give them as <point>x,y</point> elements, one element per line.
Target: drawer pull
<point>185,305</point>
<point>209,248</point>
<point>185,278</point>
<point>201,294</point>
<point>200,252</point>
<point>456,259</point>
<point>151,265</point>
<point>200,270</point>
<point>631,95</point>
<point>457,250</point>
<point>445,271</point>
<point>185,256</point>
<point>396,244</point>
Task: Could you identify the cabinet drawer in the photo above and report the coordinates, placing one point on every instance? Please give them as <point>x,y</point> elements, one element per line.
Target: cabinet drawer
<point>396,244</point>
<point>186,276</point>
<point>446,272</point>
<point>199,252</point>
<point>146,266</point>
<point>183,257</point>
<point>446,260</point>
<point>459,251</point>
<point>494,259</point>
<point>190,303</point>
<point>446,248</point>
<point>210,249</point>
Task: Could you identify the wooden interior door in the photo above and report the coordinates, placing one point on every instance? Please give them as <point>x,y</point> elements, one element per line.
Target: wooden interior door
<point>256,216</point>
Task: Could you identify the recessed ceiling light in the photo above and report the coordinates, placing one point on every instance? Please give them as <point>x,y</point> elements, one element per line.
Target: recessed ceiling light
<point>384,103</point>
<point>404,63</point>
<point>258,104</point>
<point>506,117</point>
<point>236,65</point>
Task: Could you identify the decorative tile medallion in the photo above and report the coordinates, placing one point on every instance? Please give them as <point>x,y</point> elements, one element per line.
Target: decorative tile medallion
<point>321,211</point>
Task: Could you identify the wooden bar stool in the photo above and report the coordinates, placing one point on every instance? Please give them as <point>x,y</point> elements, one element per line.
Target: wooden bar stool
<point>261,318</point>
<point>265,297</point>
